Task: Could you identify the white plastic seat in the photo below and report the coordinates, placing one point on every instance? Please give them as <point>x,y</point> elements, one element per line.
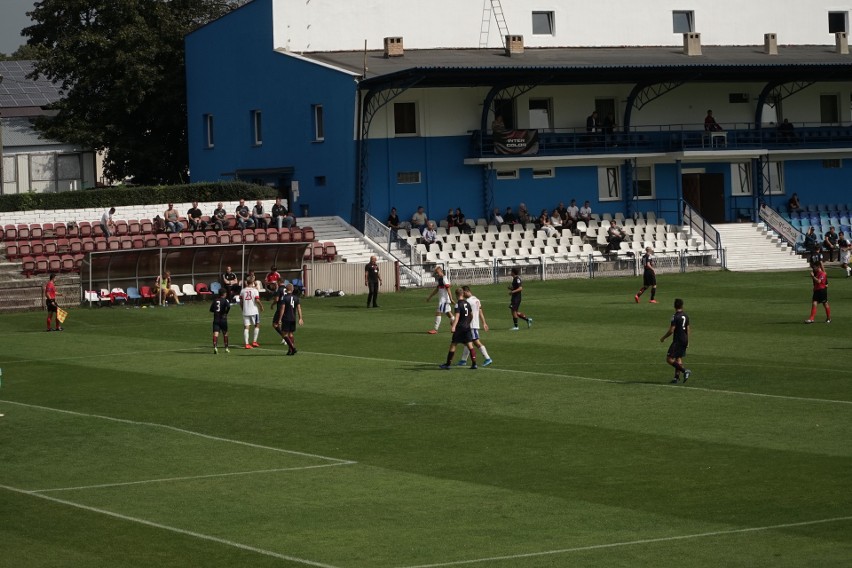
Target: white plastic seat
<point>189,291</point>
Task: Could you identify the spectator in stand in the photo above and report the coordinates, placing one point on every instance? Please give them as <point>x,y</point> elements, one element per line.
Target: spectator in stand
<point>573,216</point>
<point>419,219</point>
<point>451,218</point>
<point>107,224</point>
<point>786,131</point>
<point>614,236</point>
<point>258,215</point>
<point>524,216</point>
<point>829,244</point>
<point>461,221</point>
<point>430,235</point>
<point>556,220</point>
<point>172,220</point>
<point>393,223</point>
<point>562,210</point>
<point>497,125</point>
<point>710,124</point>
<point>496,218</point>
<point>586,212</point>
<point>231,283</point>
<point>545,225</point>
<point>793,205</point>
<point>194,218</point>
<point>810,242</point>
<point>219,218</point>
<point>281,217</point>
<point>509,217</point>
<point>163,287</point>
<point>243,213</point>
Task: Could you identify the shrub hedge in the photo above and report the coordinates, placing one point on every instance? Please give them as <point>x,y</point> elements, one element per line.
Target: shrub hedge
<point>137,195</point>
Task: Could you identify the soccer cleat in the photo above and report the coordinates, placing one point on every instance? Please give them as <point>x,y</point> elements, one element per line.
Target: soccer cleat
<point>473,367</point>
<point>60,329</point>
<point>809,321</point>
<point>432,331</point>
<point>444,367</point>
<point>227,350</point>
<point>516,328</point>
<point>827,321</point>
<point>255,344</point>
<point>674,381</point>
<point>487,362</point>
<point>461,363</point>
<point>652,301</point>
<point>529,322</point>
<point>215,351</point>
<point>48,329</point>
<point>294,351</point>
<point>248,346</point>
<point>636,297</point>
<point>686,375</point>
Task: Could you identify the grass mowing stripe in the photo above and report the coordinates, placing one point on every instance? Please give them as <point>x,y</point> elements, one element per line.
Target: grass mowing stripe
<point>95,356</point>
<point>189,477</point>
<point>181,430</point>
<point>632,543</point>
<point>169,528</point>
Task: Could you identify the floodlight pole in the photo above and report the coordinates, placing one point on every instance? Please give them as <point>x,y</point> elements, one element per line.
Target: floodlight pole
<point>1,148</point>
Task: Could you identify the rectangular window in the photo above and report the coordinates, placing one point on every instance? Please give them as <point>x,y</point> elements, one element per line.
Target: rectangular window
<point>68,167</point>
<point>257,127</point>
<point>507,174</point>
<point>644,177</point>
<point>319,124</point>
<point>208,130</point>
<point>741,179</point>
<point>829,112</point>
<point>405,119</point>
<point>407,177</point>
<point>838,22</point>
<point>542,23</point>
<point>540,114</point>
<point>43,172</point>
<point>539,173</point>
<point>683,21</point>
<point>10,174</point>
<point>319,181</point>
<point>609,184</point>
<point>831,164</point>
<point>775,183</point>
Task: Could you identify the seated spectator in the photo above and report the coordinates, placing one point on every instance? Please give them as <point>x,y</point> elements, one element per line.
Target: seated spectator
<point>451,218</point>
<point>419,219</point>
<point>461,221</point>
<point>829,245</point>
<point>496,219</point>
<point>107,224</point>
<point>163,288</point>
<point>258,215</point>
<point>281,217</point>
<point>393,223</point>
<point>556,220</point>
<point>219,218</point>
<point>194,218</point>
<point>509,217</point>
<point>710,124</point>
<point>430,235</point>
<point>243,214</point>
<point>585,212</point>
<point>231,283</point>
<point>793,205</point>
<point>523,216</point>
<point>810,243</point>
<point>786,131</point>
<point>545,225</point>
<point>614,236</point>
<point>498,125</point>
<point>562,210</point>
<point>272,280</point>
<point>172,219</point>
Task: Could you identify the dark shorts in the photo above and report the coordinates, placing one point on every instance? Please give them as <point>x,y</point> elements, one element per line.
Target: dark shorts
<point>820,296</point>
<point>649,278</point>
<point>462,336</point>
<point>220,326</point>
<point>51,306</point>
<point>515,303</point>
<point>288,326</point>
<point>677,351</point>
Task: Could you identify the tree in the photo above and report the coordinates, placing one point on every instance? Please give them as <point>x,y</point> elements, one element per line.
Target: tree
<point>20,54</point>
<point>121,70</point>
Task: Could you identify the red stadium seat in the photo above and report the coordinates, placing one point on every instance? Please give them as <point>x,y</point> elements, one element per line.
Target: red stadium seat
<point>60,230</point>
<point>42,265</point>
<point>175,240</point>
<point>50,248</point>
<point>72,231</point>
<point>249,236</point>
<point>150,241</point>
<point>225,238</point>
<point>211,239</point>
<point>101,244</point>
<point>23,232</point>
<point>260,236</point>
<point>63,246</point>
<point>147,293</point>
<point>317,250</point>
<point>162,240</point>
<point>76,246</point>
<point>88,245</point>
<point>36,248</point>
<point>308,234</point>
<point>330,251</point>
<point>134,227</point>
<point>146,226</point>
<point>10,232</point>
<point>272,235</point>
<point>113,244</point>
<point>28,263</point>
<point>47,229</point>
<point>202,290</point>
<point>85,229</point>
<point>12,251</point>
<point>285,236</point>
<point>97,230</point>
<point>68,264</point>
<point>188,240</point>
<point>137,242</point>
<point>54,263</point>
<point>296,235</point>
<point>122,228</point>
<point>236,236</point>
<point>125,242</point>
<point>25,249</point>
<point>36,231</point>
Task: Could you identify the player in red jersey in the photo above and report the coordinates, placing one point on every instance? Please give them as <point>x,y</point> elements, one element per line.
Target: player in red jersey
<point>50,302</point>
<point>820,295</point>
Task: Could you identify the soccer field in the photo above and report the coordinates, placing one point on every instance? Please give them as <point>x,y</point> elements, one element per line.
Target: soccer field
<point>127,442</point>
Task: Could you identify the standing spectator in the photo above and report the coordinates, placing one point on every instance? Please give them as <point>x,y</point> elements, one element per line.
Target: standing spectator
<point>393,223</point>
<point>845,249</point>
<point>258,215</point>
<point>231,283</point>
<point>172,220</point>
<point>679,328</point>
<point>710,124</point>
<point>219,218</point>
<point>107,224</point>
<point>50,302</point>
<point>442,288</point>
<point>273,280</point>
<point>586,212</point>
<point>419,219</point>
<point>220,308</point>
<point>243,214</point>
<point>592,123</point>
<point>281,216</point>
<point>649,276</point>
<point>614,236</point>
<point>829,244</point>
<point>194,218</point>
<point>820,295</point>
<point>251,307</point>
<point>461,331</point>
<point>288,315</point>
<point>430,236</point>
<point>515,289</point>
<point>477,316</point>
<point>372,280</point>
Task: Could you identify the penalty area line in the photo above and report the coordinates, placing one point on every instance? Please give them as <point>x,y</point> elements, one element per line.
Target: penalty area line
<point>176,530</point>
<point>632,543</point>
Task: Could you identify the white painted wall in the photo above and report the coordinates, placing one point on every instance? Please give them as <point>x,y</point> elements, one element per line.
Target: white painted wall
<point>332,25</point>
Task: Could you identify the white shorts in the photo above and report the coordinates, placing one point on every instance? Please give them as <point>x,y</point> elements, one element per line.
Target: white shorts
<point>445,307</point>
<point>844,257</point>
<point>474,334</point>
<point>251,320</point>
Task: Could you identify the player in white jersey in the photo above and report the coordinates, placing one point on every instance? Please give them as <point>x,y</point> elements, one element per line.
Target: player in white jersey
<point>251,306</point>
<point>478,314</point>
<point>442,288</point>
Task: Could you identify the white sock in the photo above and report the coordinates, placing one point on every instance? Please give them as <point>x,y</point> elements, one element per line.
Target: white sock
<point>245,336</point>
<point>437,322</point>
<point>465,354</point>
<point>484,351</point>
<point>256,333</point>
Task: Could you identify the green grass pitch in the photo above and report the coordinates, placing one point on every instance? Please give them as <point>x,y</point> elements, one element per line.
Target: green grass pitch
<point>126,443</point>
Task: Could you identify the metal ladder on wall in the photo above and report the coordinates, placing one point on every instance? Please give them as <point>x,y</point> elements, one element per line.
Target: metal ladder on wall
<point>494,7</point>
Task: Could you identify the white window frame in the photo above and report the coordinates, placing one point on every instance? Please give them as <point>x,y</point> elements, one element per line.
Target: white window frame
<point>506,174</point>
<point>845,15</point>
<point>548,102</point>
<point>741,180</point>
<point>209,138</point>
<point>550,16</point>
<point>416,111</point>
<point>257,127</point>
<point>776,179</point>
<point>678,17</point>
<point>650,178</point>
<point>543,173</point>
<point>319,123</point>
<point>604,187</point>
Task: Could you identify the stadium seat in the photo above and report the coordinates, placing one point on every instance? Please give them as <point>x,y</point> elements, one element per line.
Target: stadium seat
<point>175,240</point>
<point>211,239</point>
<point>68,264</point>
<point>188,240</point>
<point>23,232</point>
<point>225,238</point>
<point>12,251</point>
<point>162,240</point>
<point>122,228</point>
<point>189,291</point>
<point>215,287</point>
<point>92,296</point>
<point>308,234</point>
<point>97,230</point>
<point>202,290</point>
<point>28,265</point>
<point>296,235</point>
<point>199,240</point>
<point>10,232</point>
<point>134,227</point>
<point>285,236</point>
<point>101,244</point>
<point>236,236</point>
<point>42,265</point>
<point>133,295</point>
<point>147,294</point>
<point>85,229</point>
<point>36,248</point>
<point>317,251</point>
<point>150,241</point>
<point>36,231</point>
<point>113,244</point>
<point>136,242</point>
<point>261,236</point>
<point>146,226</point>
<point>50,248</point>
<point>249,236</point>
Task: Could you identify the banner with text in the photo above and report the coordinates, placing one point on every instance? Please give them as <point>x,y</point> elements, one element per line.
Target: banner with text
<point>516,142</point>
<point>779,224</point>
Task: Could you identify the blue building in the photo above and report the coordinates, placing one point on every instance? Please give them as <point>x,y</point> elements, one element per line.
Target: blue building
<point>282,95</point>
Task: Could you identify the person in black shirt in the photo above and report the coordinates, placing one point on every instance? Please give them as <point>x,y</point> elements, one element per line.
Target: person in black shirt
<point>830,244</point>
<point>810,242</point>
<point>393,223</point>
<point>372,280</point>
<point>679,330</point>
<point>219,219</point>
<point>515,290</point>
<point>243,213</point>
<point>231,283</point>
<point>649,275</point>
<point>193,216</point>
<point>220,308</point>
<point>461,331</point>
<point>281,216</point>
<point>815,258</point>
<point>509,217</point>
<point>289,312</point>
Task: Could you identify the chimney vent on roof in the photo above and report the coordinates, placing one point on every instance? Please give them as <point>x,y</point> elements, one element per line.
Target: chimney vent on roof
<point>842,41</point>
<point>514,45</point>
<point>393,47</point>
<point>692,43</point>
<point>770,44</point>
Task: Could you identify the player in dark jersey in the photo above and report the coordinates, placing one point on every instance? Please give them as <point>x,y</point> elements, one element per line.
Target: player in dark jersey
<point>461,330</point>
<point>288,314</point>
<point>220,308</point>
<point>649,276</point>
<point>820,295</point>
<point>679,329</point>
<point>515,290</point>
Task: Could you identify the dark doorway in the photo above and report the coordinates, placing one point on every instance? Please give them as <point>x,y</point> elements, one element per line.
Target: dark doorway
<point>706,194</point>
<point>506,109</point>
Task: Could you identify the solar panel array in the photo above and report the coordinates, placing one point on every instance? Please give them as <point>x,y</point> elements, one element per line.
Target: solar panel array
<point>17,91</point>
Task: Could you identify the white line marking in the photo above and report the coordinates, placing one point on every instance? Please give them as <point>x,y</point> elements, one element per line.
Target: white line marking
<point>631,543</point>
<point>170,529</point>
<point>181,430</point>
<point>189,477</point>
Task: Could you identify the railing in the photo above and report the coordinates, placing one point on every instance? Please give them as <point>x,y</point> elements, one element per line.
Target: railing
<point>777,223</point>
<point>398,248</point>
<point>705,230</point>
